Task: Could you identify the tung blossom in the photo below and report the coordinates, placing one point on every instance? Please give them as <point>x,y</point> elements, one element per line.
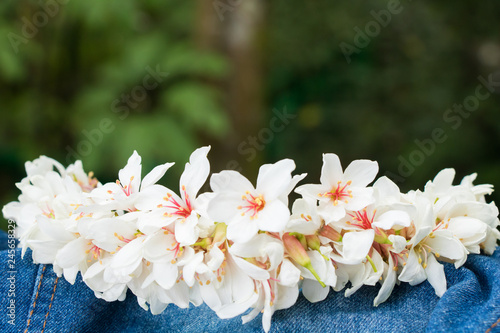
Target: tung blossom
<point>341,190</point>
<point>238,249</point>
<point>247,209</point>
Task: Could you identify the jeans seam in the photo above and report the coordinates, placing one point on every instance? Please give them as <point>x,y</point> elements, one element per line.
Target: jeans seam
<point>493,326</point>
<point>34,301</point>
<point>50,305</point>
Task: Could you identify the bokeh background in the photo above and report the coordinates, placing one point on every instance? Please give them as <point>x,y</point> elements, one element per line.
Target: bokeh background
<point>257,80</point>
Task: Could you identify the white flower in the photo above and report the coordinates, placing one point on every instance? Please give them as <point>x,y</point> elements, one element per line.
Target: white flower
<point>260,259</point>
<point>428,242</point>
<point>246,209</point>
<point>354,248</point>
<point>312,290</point>
<point>367,272</point>
<point>187,211</point>
<point>237,249</point>
<point>123,194</point>
<point>46,211</point>
<point>305,219</point>
<point>340,191</point>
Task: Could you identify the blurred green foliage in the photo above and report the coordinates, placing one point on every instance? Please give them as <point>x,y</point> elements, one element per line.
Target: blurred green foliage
<point>395,91</point>
<point>76,69</point>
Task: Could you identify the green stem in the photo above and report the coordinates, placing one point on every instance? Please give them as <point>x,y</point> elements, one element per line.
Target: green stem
<point>372,263</point>
<point>311,269</point>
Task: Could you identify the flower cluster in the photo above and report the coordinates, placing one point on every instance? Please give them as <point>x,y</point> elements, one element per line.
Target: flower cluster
<point>239,247</point>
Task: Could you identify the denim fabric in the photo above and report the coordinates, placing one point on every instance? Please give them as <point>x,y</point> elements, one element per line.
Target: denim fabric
<point>45,303</point>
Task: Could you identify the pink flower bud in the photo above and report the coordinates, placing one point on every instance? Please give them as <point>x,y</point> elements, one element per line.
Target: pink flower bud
<point>295,250</point>
<point>330,233</point>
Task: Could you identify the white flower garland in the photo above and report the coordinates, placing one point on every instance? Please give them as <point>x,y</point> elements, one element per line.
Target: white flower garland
<point>239,247</point>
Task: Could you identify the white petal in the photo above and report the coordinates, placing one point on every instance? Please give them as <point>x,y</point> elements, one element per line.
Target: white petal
<point>72,253</point>
<point>386,188</point>
<point>273,217</point>
<point>287,296</point>
<point>149,223</point>
<point>242,231</point>
<point>165,274</point>
<point>186,230</point>
<point>130,175</point>
<point>224,207</point>
<point>392,218</point>
<point>387,286</point>
<point>398,243</point>
<point>331,171</point>
<point>155,247</point>
<point>411,269</point>
<point>435,275</point>
<point>331,213</point>
<point>210,297</point>
<point>312,190</point>
<point>44,251</point>
<point>295,180</point>
<point>12,210</point>
<point>189,270</point>
<point>313,291</point>
<point>446,245</point>
<point>251,270</point>
<point>230,181</point>
<point>154,175</point>
<point>289,274</point>
<point>258,247</point>
<point>196,172</point>
<point>238,307</point>
<point>70,274</point>
<point>355,246</point>
<point>469,230</point>
<point>55,229</point>
<point>95,269</point>
<point>361,197</point>
<point>129,256</point>
<point>361,172</point>
<point>443,180</point>
<point>274,179</point>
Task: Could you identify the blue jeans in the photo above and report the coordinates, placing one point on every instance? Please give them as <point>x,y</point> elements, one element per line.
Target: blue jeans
<point>45,303</point>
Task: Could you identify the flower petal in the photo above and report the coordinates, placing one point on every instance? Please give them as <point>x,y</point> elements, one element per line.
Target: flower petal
<point>223,207</point>
<point>130,175</point>
<point>251,270</point>
<point>392,218</point>
<point>230,181</point>
<point>355,246</point>
<point>72,253</point>
<point>387,286</point>
<point>273,217</point>
<point>186,230</point>
<point>242,230</point>
<point>361,172</point>
<point>165,274</point>
<point>313,291</point>
<point>154,175</point>
<point>331,171</point>
<point>289,274</point>
<point>274,179</point>
<point>435,275</point>
<point>195,173</point>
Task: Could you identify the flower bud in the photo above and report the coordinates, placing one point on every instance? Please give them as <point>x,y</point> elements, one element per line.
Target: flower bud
<point>220,232</point>
<point>297,252</point>
<point>313,242</point>
<point>330,233</point>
